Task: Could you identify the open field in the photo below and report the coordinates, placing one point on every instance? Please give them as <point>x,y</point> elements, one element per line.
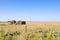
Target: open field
<point>31,31</point>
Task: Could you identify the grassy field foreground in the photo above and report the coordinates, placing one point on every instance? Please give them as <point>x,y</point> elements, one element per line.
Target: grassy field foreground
<point>30,31</point>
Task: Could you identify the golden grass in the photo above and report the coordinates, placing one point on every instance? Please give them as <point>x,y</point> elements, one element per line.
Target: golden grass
<point>31,27</point>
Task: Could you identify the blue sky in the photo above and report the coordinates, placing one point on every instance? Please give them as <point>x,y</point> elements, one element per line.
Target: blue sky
<point>30,10</point>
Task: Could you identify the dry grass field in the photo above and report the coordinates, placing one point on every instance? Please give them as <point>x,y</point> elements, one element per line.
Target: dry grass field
<point>30,31</point>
